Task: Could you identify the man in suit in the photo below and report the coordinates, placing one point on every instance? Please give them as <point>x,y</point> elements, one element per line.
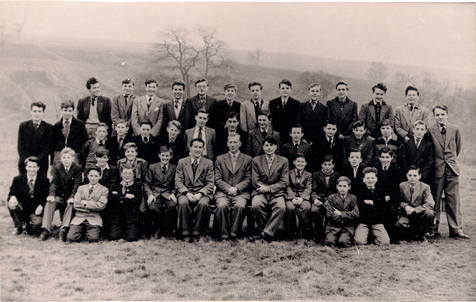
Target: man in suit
<point>269,179</point>
<point>194,182</point>
<point>199,101</point>
<point>121,107</point>
<point>284,110</point>
<point>376,111</point>
<point>256,137</point>
<point>33,138</point>
<point>297,145</point>
<point>175,109</point>
<point>94,109</point>
<point>148,108</point>
<point>252,108</point>
<point>147,144</point>
<point>313,114</point>
<point>231,127</point>
<point>329,142</point>
<point>222,108</point>
<point>232,178</point>
<point>200,130</point>
<point>342,109</point>
<point>27,197</point>
<point>447,142</point>
<point>67,132</point>
<point>407,114</point>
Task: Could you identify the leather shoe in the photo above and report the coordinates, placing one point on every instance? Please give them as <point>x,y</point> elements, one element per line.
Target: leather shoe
<point>18,231</point>
<point>460,235</point>
<point>44,235</point>
<point>62,234</point>
<point>266,237</point>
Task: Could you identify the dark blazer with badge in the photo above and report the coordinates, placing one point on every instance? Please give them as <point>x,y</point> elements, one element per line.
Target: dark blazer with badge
<point>422,156</point>
<point>446,151</point>
<point>202,181</point>
<point>312,120</point>
<point>124,210</point>
<point>121,110</point>
<point>344,114</point>
<point>34,142</point>
<point>276,177</point>
<point>192,105</point>
<point>299,186</point>
<point>103,108</point>
<point>65,184</point>
<point>76,139</point>
<point>20,189</point>
<point>158,183</point>
<point>226,176</point>
<point>254,145</point>
<point>283,118</point>
<point>368,116</point>
<point>153,114</point>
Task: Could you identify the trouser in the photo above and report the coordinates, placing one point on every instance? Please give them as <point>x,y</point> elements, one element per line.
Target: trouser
<point>420,224</point>
<point>339,236</point>
<point>298,213</point>
<point>84,230</point>
<point>66,212</point>
<point>318,215</point>
<point>32,221</point>
<point>449,184</point>
<point>127,231</point>
<point>193,217</point>
<point>390,218</point>
<point>278,208</point>
<point>377,230</point>
<point>229,216</point>
<point>161,217</point>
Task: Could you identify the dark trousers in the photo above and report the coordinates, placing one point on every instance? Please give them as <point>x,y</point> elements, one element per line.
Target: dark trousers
<point>271,224</point>
<point>126,231</point>
<point>32,221</point>
<point>84,231</point>
<point>193,218</point>
<point>420,224</point>
<point>161,217</point>
<point>390,218</point>
<point>298,213</point>
<point>229,216</point>
<point>318,215</point>
<point>338,236</point>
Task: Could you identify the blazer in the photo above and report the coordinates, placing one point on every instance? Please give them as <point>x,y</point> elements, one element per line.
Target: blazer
<point>75,140</point>
<point>149,151</point>
<point>388,180</point>
<point>192,105</point>
<point>421,196</point>
<point>222,139</point>
<point>169,115</point>
<point>289,151</point>
<point>321,189</point>
<point>423,157</point>
<point>109,176</point>
<point>404,118</point>
<point>357,183</point>
<point>87,157</point>
<point>227,177</point>
<point>210,141</point>
<point>121,110</point>
<point>348,208</point>
<point>140,166</point>
<point>154,114</point>
<point>116,151</point>
<point>380,143</point>
<point>20,189</point>
<point>103,108</point>
<point>248,114</point>
<point>299,187</point>
<point>34,142</point>
<point>283,118</point>
<point>365,145</point>
<point>219,112</point>
<point>276,177</point>
<point>344,114</point>
<point>447,151</point>
<point>371,214</point>
<point>122,209</point>
<point>158,183</point>
<point>94,203</point>
<point>321,147</point>
<point>254,146</point>
<point>178,146</point>
<point>312,120</point>
<point>367,115</point>
<point>64,184</point>
<point>200,182</point>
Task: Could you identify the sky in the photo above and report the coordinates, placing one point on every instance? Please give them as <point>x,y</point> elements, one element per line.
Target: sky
<point>438,35</point>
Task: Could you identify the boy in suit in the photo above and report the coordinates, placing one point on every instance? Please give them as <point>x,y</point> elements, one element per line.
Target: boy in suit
<point>373,113</point>
<point>161,196</point>
<point>109,174</point>
<point>387,140</point>
<point>252,108</point>
<point>173,138</point>
<point>194,182</point>
<point>371,204</point>
<point>148,108</point>
<point>223,108</point>
<point>200,101</point>
<point>147,144</point>
<point>297,145</point>
<point>232,178</point>
<point>66,176</point>
<point>139,164</point>
<point>354,171</point>
<point>124,207</point>
<point>298,196</point>
<point>269,179</point>
<point>256,137</point>
<point>33,136</point>
<point>416,203</point>
<point>121,106</point>
<point>284,110</point>
<point>313,114</point>
<point>116,144</point>
<point>99,140</point>
<point>27,197</point>
<point>447,142</point>
<point>342,109</point>
<point>207,135</point>
<point>95,108</point>
<point>328,143</point>
<point>231,127</point>
<point>360,140</point>
<point>89,200</point>
<point>175,109</point>
<point>342,212</point>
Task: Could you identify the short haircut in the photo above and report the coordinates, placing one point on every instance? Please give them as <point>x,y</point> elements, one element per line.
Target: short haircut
<point>386,122</point>
<point>128,81</point>
<point>232,114</point>
<point>176,124</point>
<point>234,135</point>
<point>296,126</point>
<point>197,140</point>
<point>298,155</point>
<point>355,150</point>
<point>419,123</point>
<point>146,122</point>
<point>93,168</point>
<point>386,150</point>
<point>439,106</point>
<point>344,179</point>
<point>178,83</point>
<point>121,121</point>
<point>413,167</point>
<point>38,104</point>
<point>68,150</point>
<point>251,84</point>
<point>285,82</point>
<point>32,159</point>
<point>369,170</point>
<point>228,86</point>
<point>67,104</point>
<point>101,152</point>
<point>202,110</point>
<point>166,148</point>
<point>358,124</point>
<point>342,83</point>
<point>104,125</point>
<point>328,157</point>
<point>270,140</point>
<point>313,85</point>
<point>380,86</point>
<point>128,166</point>
<point>411,88</point>
<point>264,113</point>
<point>201,80</point>
<point>90,82</point>
<point>150,81</point>
<point>330,122</point>
<point>130,145</point>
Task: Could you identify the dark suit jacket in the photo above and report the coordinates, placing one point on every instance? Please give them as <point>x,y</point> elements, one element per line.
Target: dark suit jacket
<point>446,151</point>
<point>192,106</point>
<point>227,177</point>
<point>148,151</point>
<point>289,151</point>
<point>103,107</point>
<point>389,180</point>
<point>254,145</point>
<point>367,114</point>
<point>121,110</point>
<point>219,112</point>
<point>423,157</point>
<point>76,139</point>
<point>365,145</point>
<point>277,178</point>
<point>379,144</point>
<point>178,146</point>
<point>116,152</point>
<point>357,183</point>
<point>20,189</point>
<point>202,181</point>
<point>64,184</point>
<point>284,117</point>
<point>371,214</point>
<point>299,187</point>
<point>109,177</point>
<point>320,189</point>
<point>348,208</point>
<point>123,210</point>
<point>312,120</point>
<point>34,142</point>
<point>158,183</point>
<point>321,147</point>
<point>344,115</point>
<point>222,139</point>
<point>169,115</point>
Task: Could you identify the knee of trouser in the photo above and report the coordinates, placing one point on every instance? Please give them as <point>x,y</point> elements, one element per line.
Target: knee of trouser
<point>221,203</point>
<point>183,201</point>
<point>306,205</point>
<point>256,202</point>
<point>203,202</point>
<point>73,237</point>
<point>428,213</point>
<point>344,241</point>
<point>240,203</point>
<point>131,236</point>
<point>290,206</point>
<point>93,236</point>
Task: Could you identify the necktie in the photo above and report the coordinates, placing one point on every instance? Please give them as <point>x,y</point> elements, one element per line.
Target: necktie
<point>443,129</point>
<point>264,134</point>
<point>313,104</point>
<point>194,167</point>
<point>200,133</point>
<point>230,104</point>
<point>36,125</point>
<point>31,187</point>
<point>331,142</point>
<point>91,189</point>
<point>125,99</point>
<point>412,190</point>
<point>284,103</point>
<point>296,147</point>
<point>176,105</point>
<point>418,140</point>
<point>101,143</point>
<point>149,102</point>
<point>121,141</point>
<point>146,140</point>
<point>93,101</point>
<point>299,174</point>
<point>66,128</point>
<point>411,107</point>
<point>164,169</point>
<point>233,162</point>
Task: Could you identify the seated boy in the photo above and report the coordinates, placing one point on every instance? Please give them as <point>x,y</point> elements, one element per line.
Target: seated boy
<point>371,204</point>
<point>360,140</point>
<point>89,200</point>
<point>417,205</point>
<point>99,140</point>
<point>66,178</point>
<point>342,212</point>
<point>27,197</point>
<point>354,171</point>
<point>387,140</point>
<point>160,190</point>
<point>140,165</point>
<point>123,207</point>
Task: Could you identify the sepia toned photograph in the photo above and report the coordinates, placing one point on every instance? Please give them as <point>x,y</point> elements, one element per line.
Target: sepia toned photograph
<point>237,151</point>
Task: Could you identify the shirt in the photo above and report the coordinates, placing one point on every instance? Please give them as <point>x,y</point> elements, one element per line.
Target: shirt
<point>93,117</point>
<point>270,160</point>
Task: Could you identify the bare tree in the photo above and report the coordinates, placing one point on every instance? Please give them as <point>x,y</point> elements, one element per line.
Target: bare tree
<point>211,50</point>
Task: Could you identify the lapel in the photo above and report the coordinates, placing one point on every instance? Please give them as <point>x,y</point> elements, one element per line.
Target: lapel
<point>99,106</point>
<point>199,170</point>
<point>449,134</point>
<point>144,105</point>
<point>188,168</point>
<point>274,164</point>
<point>372,110</point>
<point>87,106</point>
<point>417,192</point>
<point>436,132</point>
<point>346,201</point>
<point>122,103</point>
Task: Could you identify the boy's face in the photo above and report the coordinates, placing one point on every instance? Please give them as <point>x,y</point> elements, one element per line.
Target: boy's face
<point>255,92</point>
<point>127,175</point>
<point>355,158</point>
<point>95,89</point>
<point>37,113</point>
<point>232,124</point>
<point>330,130</point>
<point>230,94</point>
<point>202,88</point>
<point>300,163</point>
<point>233,144</point>
<point>177,90</point>
<point>370,179</point>
<point>378,94</point>
<point>327,166</point>
<point>441,116</point>
<point>386,131</point>
<point>127,88</point>
<point>130,153</point>
<point>121,129</point>
<point>202,119</point>
<point>269,149</point>
<point>385,159</point>
<point>296,134</point>
<point>93,177</point>
<point>284,90</point>
<point>413,176</point>
<point>343,187</point>
<point>151,88</point>
<point>263,121</point>
<point>412,97</point>
<point>419,131</point>
<point>145,130</point>
<point>66,159</point>
<point>102,161</point>
<point>196,149</point>
<point>342,91</point>
<point>315,93</point>
<point>172,131</point>
<point>67,112</point>
<point>32,168</point>
<point>165,157</point>
<point>101,133</point>
<point>359,132</point>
